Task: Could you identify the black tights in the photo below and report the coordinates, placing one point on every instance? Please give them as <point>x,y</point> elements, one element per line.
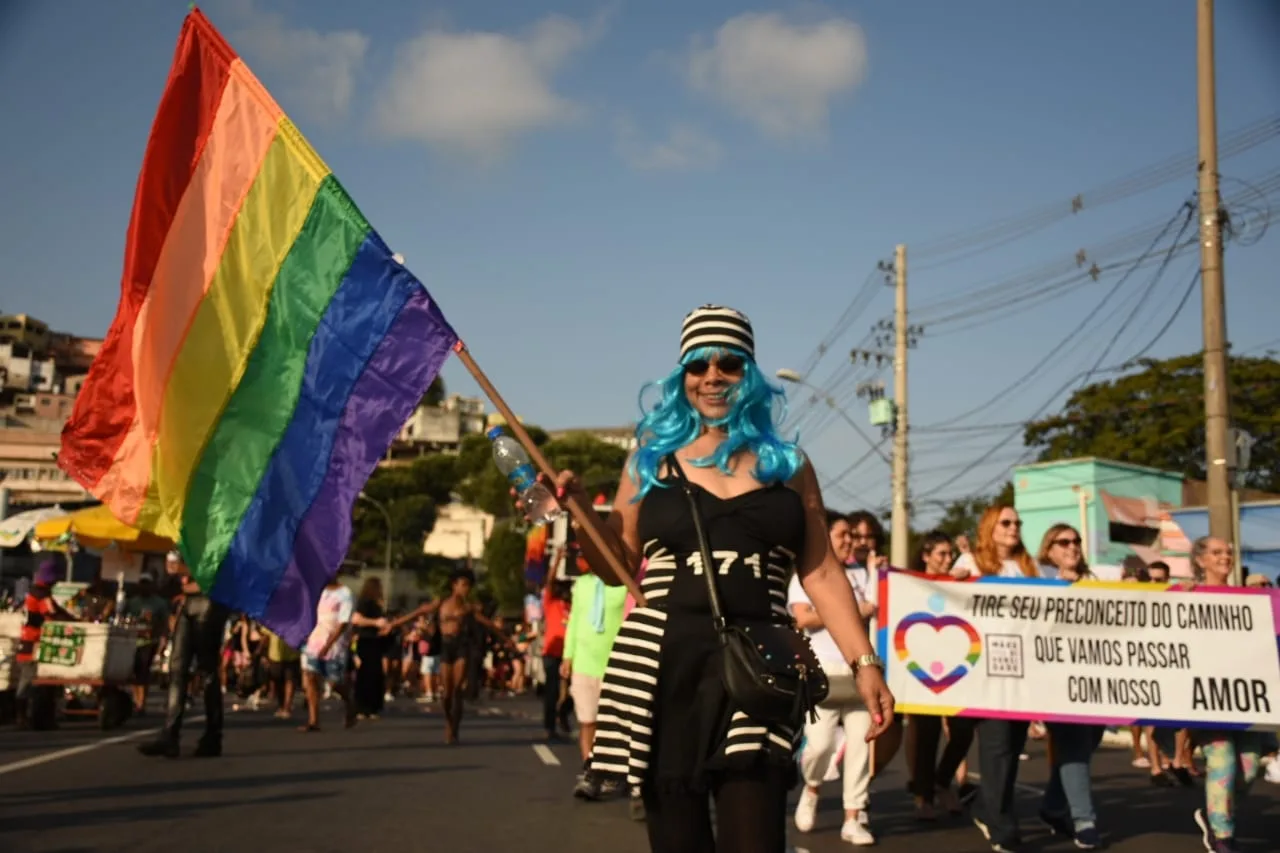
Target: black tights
<point>751,816</point>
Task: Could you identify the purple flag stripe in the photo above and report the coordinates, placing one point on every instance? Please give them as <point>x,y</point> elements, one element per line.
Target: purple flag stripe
<point>398,374</point>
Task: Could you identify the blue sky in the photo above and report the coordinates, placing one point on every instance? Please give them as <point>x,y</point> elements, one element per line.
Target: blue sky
<point>570,178</point>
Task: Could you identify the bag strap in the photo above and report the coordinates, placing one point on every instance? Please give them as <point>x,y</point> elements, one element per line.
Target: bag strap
<point>708,565</point>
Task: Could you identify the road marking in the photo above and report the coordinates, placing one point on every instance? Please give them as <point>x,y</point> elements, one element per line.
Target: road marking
<point>544,752</point>
<point>67,753</point>
<point>37,760</point>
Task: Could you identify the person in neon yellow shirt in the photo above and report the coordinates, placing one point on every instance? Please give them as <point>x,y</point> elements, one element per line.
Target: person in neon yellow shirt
<point>595,615</point>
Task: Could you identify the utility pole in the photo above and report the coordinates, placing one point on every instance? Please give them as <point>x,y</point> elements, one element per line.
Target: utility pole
<point>904,338</point>
<point>899,525</point>
<point>1216,404</point>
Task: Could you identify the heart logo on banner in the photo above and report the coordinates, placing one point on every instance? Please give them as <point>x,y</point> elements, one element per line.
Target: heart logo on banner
<point>934,675</point>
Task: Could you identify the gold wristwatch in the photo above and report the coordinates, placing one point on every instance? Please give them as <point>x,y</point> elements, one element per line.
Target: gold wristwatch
<point>867,660</point>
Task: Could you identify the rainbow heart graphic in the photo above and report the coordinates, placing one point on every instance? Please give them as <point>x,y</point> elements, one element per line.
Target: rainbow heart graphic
<point>934,679</point>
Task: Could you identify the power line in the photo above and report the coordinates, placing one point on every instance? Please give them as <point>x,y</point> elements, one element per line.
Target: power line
<point>1016,426</point>
<point>1071,336</point>
<point>863,458</point>
<point>1168,324</point>
<point>1262,346</point>
<point>1035,414</point>
<point>1037,285</point>
<point>1146,294</point>
<point>1005,299</point>
<point>1005,230</point>
<point>860,302</point>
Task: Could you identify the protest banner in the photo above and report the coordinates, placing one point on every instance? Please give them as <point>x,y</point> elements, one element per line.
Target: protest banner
<point>1100,652</point>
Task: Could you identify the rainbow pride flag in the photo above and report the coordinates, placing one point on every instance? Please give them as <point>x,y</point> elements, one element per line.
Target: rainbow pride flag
<point>266,350</point>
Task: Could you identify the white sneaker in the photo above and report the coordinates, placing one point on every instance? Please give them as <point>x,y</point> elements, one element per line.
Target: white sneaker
<point>806,809</point>
<point>856,833</point>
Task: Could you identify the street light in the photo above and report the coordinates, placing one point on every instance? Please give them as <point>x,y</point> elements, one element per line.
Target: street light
<point>795,378</point>
<point>386,564</point>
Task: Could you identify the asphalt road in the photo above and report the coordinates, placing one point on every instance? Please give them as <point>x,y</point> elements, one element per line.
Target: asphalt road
<point>392,784</point>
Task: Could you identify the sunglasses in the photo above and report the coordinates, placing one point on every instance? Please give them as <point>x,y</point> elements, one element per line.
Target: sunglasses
<point>1067,542</point>
<point>1004,522</point>
<point>730,365</point>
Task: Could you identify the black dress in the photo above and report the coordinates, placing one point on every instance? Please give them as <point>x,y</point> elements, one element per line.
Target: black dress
<point>371,680</point>
<point>665,722</point>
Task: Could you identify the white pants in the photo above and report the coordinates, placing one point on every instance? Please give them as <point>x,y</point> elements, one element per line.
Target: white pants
<point>820,747</point>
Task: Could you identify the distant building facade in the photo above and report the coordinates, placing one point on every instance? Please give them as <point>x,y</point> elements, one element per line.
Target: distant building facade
<point>41,372</point>
<point>438,429</point>
<point>1124,510</point>
<point>459,533</point>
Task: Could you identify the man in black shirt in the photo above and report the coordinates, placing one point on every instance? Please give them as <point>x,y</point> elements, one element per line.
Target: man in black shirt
<point>197,637</point>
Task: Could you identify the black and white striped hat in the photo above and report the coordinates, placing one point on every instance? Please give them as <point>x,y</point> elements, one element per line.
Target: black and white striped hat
<point>715,325</point>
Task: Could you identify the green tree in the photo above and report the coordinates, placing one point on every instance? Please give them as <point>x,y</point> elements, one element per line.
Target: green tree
<point>412,517</point>
<point>435,393</point>
<point>410,495</point>
<point>480,483</point>
<point>504,565</point>
<point>961,516</point>
<point>1155,417</point>
<point>436,475</point>
<point>431,573</point>
<point>597,463</point>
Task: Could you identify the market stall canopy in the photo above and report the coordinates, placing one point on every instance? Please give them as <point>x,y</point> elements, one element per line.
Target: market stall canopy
<point>96,527</point>
<point>16,528</point>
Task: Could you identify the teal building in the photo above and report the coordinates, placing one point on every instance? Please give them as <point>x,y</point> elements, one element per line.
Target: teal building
<point>1120,509</point>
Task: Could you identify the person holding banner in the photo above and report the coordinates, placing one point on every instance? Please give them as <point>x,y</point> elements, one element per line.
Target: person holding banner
<point>998,551</point>
<point>843,708</point>
<point>1232,757</point>
<point>931,775</point>
<point>1067,808</point>
<point>709,449</point>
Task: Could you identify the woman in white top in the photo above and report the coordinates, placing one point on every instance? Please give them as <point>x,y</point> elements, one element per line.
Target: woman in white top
<point>998,551</point>
<point>820,737</point>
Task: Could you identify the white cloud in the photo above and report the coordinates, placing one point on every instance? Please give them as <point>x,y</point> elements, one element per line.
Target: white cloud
<point>782,77</point>
<point>473,92</point>
<point>312,71</point>
<point>683,148</point>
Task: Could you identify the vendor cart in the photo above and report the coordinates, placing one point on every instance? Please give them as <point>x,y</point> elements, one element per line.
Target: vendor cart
<point>10,630</point>
<point>90,667</point>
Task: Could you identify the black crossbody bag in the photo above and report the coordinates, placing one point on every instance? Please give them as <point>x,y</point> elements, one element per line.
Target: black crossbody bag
<point>768,669</point>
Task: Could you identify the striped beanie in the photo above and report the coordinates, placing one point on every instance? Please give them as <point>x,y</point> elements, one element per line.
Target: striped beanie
<point>715,325</point>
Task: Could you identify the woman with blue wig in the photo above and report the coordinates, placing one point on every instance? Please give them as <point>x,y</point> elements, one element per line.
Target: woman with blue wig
<point>666,725</point>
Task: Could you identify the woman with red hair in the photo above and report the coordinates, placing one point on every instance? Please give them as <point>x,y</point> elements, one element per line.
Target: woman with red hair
<point>998,552</point>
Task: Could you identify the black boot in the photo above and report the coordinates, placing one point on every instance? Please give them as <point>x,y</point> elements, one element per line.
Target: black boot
<point>210,746</point>
<point>165,745</point>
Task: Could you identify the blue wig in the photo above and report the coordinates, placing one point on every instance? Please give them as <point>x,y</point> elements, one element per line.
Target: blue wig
<point>757,408</point>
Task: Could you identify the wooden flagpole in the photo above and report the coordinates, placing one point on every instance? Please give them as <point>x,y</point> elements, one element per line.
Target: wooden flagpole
<point>581,514</point>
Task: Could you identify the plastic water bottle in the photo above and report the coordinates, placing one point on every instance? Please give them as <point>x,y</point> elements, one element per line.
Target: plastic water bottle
<point>536,501</point>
